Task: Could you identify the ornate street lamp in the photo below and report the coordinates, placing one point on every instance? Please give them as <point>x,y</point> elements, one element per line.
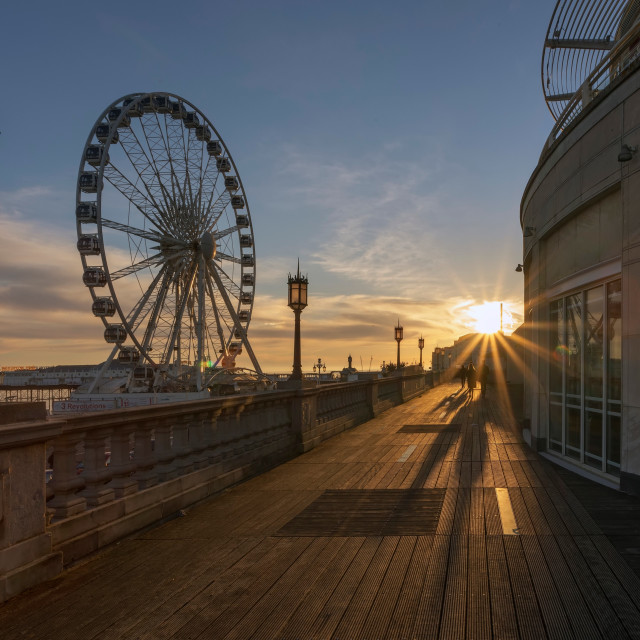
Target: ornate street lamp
<point>297,302</point>
<point>398,331</point>
<point>421,347</point>
<point>321,366</point>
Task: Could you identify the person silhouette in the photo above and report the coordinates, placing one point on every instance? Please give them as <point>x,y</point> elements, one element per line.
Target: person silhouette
<point>471,377</point>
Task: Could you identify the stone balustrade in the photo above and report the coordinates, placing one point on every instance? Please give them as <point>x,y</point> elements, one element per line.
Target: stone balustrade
<point>116,472</point>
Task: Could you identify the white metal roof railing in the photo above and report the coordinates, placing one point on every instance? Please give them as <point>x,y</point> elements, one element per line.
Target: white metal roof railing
<point>613,66</point>
<point>580,34</point>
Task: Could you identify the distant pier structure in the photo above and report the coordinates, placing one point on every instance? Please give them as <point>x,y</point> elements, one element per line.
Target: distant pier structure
<point>50,384</point>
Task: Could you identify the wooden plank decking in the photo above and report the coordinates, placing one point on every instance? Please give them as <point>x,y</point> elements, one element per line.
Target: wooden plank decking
<point>393,530</point>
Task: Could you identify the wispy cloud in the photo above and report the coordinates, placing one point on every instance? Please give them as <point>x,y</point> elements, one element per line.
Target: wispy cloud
<point>377,220</point>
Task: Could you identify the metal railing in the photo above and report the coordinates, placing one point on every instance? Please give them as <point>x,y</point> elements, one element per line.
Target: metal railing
<point>620,62</point>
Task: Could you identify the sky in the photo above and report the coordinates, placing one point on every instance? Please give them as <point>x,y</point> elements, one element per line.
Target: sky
<point>384,145</point>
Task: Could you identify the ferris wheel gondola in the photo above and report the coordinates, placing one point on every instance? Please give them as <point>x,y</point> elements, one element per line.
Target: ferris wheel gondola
<point>166,239</point>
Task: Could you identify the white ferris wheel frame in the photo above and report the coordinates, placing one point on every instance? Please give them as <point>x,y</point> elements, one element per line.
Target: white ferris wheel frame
<point>187,258</point>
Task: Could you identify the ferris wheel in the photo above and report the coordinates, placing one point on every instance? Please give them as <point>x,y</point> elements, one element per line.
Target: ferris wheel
<point>166,240</point>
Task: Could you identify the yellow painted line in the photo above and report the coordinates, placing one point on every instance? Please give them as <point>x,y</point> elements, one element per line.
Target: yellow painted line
<point>509,525</point>
<point>405,456</point>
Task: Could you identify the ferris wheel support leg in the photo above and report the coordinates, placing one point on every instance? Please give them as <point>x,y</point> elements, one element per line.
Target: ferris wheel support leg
<point>201,324</point>
<point>105,366</point>
<point>234,317</point>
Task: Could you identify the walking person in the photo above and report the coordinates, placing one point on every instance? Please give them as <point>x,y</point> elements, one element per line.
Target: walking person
<point>462,374</point>
<point>484,378</point>
<point>471,377</point>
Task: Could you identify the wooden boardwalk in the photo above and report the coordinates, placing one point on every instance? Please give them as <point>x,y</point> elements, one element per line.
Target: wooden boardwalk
<point>433,520</point>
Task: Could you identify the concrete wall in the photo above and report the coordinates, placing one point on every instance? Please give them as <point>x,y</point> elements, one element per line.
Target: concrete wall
<point>583,205</point>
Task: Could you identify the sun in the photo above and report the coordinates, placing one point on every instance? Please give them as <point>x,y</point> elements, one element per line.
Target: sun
<point>485,317</point>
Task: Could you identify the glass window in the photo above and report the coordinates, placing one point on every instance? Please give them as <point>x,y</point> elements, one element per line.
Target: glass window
<point>593,438</point>
<point>613,444</point>
<point>585,396</point>
<point>555,427</point>
<point>574,346</point>
<point>572,421</point>
<point>614,340</point>
<point>557,345</point>
<point>594,343</point>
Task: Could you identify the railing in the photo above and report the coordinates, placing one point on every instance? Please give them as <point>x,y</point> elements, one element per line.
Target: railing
<point>116,472</point>
<point>620,60</point>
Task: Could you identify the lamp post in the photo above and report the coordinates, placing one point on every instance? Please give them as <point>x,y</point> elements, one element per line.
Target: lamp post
<point>321,366</point>
<point>297,302</point>
<point>398,331</point>
<point>421,347</point>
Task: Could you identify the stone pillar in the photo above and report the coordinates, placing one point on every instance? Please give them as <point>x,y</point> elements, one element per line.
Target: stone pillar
<point>165,453</point>
<point>26,558</point>
<point>303,419</point>
<point>211,436</point>
<point>197,442</point>
<point>66,479</point>
<point>122,467</point>
<point>183,462</point>
<point>144,456</point>
<point>96,474</point>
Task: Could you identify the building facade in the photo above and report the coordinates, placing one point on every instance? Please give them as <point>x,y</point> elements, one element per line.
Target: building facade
<point>580,215</point>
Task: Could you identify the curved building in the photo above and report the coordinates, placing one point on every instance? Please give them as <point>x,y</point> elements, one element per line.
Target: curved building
<point>580,215</point>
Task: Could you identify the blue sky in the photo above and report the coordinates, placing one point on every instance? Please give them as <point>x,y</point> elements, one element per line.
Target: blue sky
<point>386,146</point>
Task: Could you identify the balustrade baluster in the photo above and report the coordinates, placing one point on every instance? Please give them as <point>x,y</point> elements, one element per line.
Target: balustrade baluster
<point>183,462</point>
<point>212,436</point>
<point>197,442</point>
<point>96,472</point>
<point>165,453</point>
<point>144,456</point>
<point>66,480</point>
<point>122,466</point>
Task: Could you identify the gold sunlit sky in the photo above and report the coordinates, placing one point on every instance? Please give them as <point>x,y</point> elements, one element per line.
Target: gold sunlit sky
<point>384,145</point>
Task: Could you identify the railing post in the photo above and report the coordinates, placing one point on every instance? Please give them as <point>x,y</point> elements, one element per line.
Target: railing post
<point>165,453</point>
<point>303,418</point>
<point>372,399</point>
<point>96,473</point>
<point>144,456</point>
<point>121,464</point>
<point>197,442</point>
<point>211,436</point>
<point>183,463</point>
<point>66,481</point>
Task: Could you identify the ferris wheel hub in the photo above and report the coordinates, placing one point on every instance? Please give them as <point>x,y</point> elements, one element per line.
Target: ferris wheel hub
<point>207,246</point>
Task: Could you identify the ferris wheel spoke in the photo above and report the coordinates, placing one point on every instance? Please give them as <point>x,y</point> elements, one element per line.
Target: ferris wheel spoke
<point>226,280</point>
<point>160,151</point>
<point>131,192</point>
<point>157,307</point>
<point>236,322</point>
<point>133,231</point>
<point>216,210</point>
<point>225,256</point>
<point>194,165</point>
<point>218,235</point>
<point>151,261</point>
<point>147,170</point>
<point>143,165</point>
<point>177,159</point>
<point>211,211</point>
<point>145,303</point>
<point>216,315</point>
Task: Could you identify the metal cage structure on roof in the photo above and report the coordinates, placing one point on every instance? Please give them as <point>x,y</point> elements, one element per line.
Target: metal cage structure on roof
<point>580,35</point>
